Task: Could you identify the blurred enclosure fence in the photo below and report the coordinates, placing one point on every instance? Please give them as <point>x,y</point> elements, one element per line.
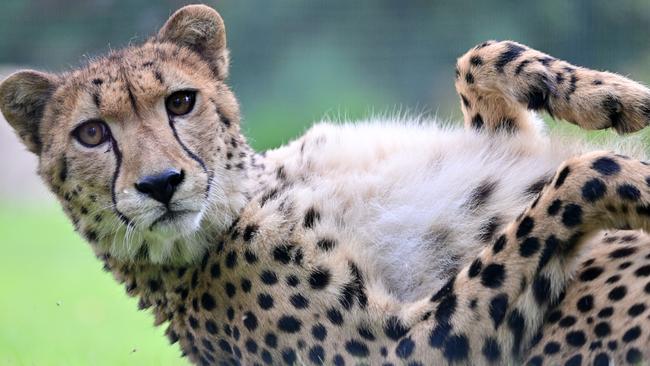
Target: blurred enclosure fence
<point>295,62</point>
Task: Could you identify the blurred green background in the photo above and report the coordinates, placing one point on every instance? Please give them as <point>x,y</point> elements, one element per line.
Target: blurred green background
<point>293,63</point>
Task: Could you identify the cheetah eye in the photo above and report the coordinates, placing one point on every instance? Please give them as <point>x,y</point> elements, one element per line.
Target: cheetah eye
<point>181,102</point>
<point>92,133</point>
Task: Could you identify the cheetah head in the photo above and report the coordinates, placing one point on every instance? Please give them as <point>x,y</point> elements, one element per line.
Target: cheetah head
<point>141,146</point>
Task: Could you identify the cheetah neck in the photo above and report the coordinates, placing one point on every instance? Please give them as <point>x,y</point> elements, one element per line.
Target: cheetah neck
<point>165,286</point>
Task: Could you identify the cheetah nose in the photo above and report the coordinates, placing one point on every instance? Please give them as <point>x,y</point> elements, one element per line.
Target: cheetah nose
<point>161,186</point>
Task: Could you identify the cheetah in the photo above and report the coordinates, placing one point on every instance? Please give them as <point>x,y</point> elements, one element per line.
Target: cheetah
<point>384,242</point>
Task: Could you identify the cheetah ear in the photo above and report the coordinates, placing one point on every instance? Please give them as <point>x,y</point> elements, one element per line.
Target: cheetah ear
<point>23,97</point>
<point>201,29</point>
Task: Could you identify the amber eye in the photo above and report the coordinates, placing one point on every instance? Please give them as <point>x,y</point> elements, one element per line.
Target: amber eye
<point>92,133</point>
<point>180,102</point>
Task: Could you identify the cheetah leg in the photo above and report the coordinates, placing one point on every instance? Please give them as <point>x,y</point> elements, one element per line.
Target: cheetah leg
<point>499,82</point>
<point>492,310</point>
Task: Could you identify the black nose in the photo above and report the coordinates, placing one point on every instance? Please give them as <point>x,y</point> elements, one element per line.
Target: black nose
<point>161,186</point>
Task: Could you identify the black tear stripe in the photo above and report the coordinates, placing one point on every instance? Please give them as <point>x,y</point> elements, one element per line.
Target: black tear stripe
<point>116,174</point>
<point>193,156</point>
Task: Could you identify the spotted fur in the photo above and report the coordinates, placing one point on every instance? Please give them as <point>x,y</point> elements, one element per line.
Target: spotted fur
<point>384,242</point>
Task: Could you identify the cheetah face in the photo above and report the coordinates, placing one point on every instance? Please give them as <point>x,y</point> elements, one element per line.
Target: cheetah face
<point>137,145</point>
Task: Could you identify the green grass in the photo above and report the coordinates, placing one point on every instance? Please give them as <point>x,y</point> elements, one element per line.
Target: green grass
<point>57,306</point>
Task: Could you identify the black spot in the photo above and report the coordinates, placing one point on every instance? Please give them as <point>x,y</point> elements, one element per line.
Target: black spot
<point>249,232</point>
<point>636,310</point>
<point>499,244</point>
<point>529,247</point>
<point>211,327</point>
<point>601,359</point>
<point>491,350</point>
<point>207,301</point>
<point>357,348</point>
<point>535,361</point>
<point>298,301</point>
<point>551,348</point>
<point>267,357</point>
<point>480,195</point>
<point>567,321</point>
<point>622,252</point>
<point>289,324</point>
<point>271,340</point>
<point>525,226</point>
<point>326,244</point>
<point>251,346</point>
<point>572,215</point>
<point>575,360</point>
<point>617,293</point>
<point>282,253</point>
<point>477,121</point>
<point>98,81</point>
<point>250,321</point>
<point>594,190</point>
<point>498,307</point>
<point>215,270</point>
<point>366,333</point>
<point>250,257</point>
<point>541,289</point>
<point>231,259</point>
<point>246,285</point>
<point>585,303</point>
<point>628,192</point>
<point>231,290</point>
<point>193,322</point>
<point>469,78</point>
<point>311,216</point>
<point>632,334</point>
<point>335,316</point>
<point>633,356</point>
<point>269,277</point>
<point>476,60</point>
<point>394,328</point>
<point>456,348</point>
<point>317,355</point>
<point>576,338</point>
<point>516,324</point>
<point>225,346</point>
<point>289,356</point>
<point>590,274</point>
<point>293,280</point>
<point>319,278</point>
<point>493,275</point>
<point>446,308</point>
<point>561,177</point>
<point>554,207</point>
<point>405,348</point>
<point>439,335</point>
<point>602,329</point>
<point>510,54</point>
<point>606,166</point>
<point>475,268</point>
<point>319,332</point>
<point>265,301</point>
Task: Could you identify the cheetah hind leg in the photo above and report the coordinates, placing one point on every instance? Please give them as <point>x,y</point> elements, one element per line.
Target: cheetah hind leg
<point>492,310</point>
<point>499,82</point>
